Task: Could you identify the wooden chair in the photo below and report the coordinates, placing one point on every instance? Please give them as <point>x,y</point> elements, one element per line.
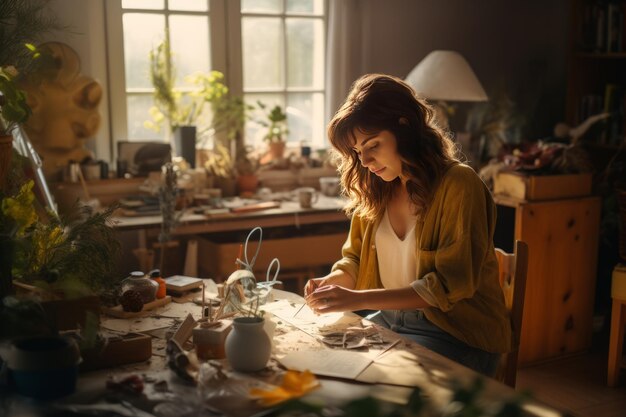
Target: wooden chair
<point>512,273</point>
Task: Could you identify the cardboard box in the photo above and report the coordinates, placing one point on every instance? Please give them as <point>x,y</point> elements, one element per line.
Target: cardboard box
<point>547,187</point>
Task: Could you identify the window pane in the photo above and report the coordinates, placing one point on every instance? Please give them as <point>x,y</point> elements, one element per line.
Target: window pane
<point>305,52</point>
<point>138,111</point>
<point>138,43</point>
<point>143,4</point>
<point>190,5</point>
<point>305,6</point>
<point>261,6</point>
<point>254,130</point>
<point>189,40</point>
<point>305,117</point>
<point>263,52</point>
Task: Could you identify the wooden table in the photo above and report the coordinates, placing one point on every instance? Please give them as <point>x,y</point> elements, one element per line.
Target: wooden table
<point>324,227</point>
<point>326,210</point>
<point>433,373</point>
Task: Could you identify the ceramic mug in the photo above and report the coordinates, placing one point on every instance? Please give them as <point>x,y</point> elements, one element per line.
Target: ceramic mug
<point>307,196</point>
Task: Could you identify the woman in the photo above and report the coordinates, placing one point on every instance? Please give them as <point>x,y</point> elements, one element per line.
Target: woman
<point>420,247</point>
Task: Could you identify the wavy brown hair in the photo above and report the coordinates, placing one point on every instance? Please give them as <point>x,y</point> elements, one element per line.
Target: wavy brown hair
<point>380,102</point>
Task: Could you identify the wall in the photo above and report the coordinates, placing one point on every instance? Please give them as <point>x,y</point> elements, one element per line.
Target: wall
<point>518,46</point>
<point>515,47</point>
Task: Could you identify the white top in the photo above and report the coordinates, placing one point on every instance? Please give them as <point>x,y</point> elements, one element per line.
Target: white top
<point>396,257</point>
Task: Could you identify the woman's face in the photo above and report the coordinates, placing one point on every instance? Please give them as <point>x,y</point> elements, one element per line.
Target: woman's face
<point>379,153</point>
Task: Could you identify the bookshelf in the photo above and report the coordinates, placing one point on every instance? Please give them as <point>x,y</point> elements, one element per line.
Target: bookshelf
<point>597,68</point>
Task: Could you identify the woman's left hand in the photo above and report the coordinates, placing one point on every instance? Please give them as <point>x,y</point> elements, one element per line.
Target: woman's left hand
<point>332,298</point>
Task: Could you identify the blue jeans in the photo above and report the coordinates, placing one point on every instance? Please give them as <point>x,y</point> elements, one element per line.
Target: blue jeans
<point>414,325</point>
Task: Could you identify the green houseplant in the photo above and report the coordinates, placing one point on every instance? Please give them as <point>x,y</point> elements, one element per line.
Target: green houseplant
<point>213,111</point>
<point>276,125</point>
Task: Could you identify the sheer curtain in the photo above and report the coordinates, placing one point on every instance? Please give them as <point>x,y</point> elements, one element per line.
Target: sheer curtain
<point>344,51</point>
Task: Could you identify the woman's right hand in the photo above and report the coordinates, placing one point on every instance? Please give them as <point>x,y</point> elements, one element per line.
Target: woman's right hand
<point>337,277</point>
<point>315,283</point>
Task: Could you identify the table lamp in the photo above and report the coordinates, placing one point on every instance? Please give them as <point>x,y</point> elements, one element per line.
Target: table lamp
<point>445,76</point>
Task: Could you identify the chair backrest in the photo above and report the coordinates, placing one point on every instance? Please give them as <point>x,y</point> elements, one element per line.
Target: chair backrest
<point>512,269</point>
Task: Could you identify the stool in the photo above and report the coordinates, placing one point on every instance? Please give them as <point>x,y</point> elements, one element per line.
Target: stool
<point>618,321</point>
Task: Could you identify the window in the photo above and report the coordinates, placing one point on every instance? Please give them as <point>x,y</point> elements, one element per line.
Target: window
<point>274,49</point>
<point>283,48</point>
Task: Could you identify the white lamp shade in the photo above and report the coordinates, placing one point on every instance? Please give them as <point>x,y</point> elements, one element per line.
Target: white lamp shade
<point>446,75</point>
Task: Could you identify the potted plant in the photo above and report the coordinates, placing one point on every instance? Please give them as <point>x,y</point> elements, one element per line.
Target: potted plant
<point>247,178</point>
<point>276,130</point>
<point>51,259</point>
<point>187,115</point>
<point>219,165</point>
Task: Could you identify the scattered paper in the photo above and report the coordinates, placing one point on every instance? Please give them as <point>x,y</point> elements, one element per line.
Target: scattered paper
<point>328,362</point>
<point>143,324</point>
<point>302,317</point>
<point>398,367</point>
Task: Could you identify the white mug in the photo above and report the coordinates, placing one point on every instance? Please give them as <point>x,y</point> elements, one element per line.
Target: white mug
<point>307,196</point>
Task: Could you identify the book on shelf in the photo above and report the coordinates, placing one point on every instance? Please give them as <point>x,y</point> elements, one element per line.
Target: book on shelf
<point>602,27</point>
<point>614,21</point>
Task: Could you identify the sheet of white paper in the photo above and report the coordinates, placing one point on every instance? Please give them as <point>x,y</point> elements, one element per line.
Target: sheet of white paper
<point>327,362</point>
<point>395,367</point>
<point>302,317</point>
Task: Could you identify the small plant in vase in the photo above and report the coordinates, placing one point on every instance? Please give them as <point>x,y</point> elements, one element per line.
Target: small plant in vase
<point>247,178</point>
<point>276,130</point>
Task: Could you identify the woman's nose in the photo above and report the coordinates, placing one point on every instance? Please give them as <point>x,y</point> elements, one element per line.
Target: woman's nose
<point>366,159</point>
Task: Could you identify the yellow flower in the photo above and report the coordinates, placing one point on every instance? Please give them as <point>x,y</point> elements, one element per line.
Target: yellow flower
<point>44,240</point>
<point>21,208</point>
<point>295,384</point>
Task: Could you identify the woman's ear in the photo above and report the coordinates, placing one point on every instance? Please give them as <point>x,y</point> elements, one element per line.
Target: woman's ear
<point>403,121</point>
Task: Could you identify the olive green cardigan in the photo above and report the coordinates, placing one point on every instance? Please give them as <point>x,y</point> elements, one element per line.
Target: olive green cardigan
<point>457,269</point>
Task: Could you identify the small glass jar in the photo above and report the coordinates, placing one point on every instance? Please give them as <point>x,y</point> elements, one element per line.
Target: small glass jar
<point>139,282</point>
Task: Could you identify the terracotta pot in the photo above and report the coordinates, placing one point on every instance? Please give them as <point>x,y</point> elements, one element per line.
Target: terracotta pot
<point>277,149</point>
<point>247,183</point>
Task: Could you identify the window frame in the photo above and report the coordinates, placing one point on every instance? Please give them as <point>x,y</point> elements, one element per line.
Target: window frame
<point>225,19</point>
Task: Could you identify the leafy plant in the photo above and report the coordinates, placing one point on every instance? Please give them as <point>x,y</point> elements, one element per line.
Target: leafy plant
<point>22,22</point>
<point>276,124</point>
<point>176,108</point>
<point>71,255</point>
<point>247,164</point>
<point>13,106</point>
<point>220,163</point>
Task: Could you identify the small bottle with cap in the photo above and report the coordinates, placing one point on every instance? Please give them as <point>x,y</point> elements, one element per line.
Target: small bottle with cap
<point>155,275</point>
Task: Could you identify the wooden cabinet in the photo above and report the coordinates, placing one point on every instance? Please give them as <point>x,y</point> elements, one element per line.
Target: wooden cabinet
<point>562,238</point>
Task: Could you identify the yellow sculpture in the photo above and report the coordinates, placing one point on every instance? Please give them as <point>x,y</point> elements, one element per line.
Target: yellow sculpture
<point>65,111</point>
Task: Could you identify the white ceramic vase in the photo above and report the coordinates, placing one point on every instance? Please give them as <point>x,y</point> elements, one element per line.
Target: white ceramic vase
<point>248,347</point>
